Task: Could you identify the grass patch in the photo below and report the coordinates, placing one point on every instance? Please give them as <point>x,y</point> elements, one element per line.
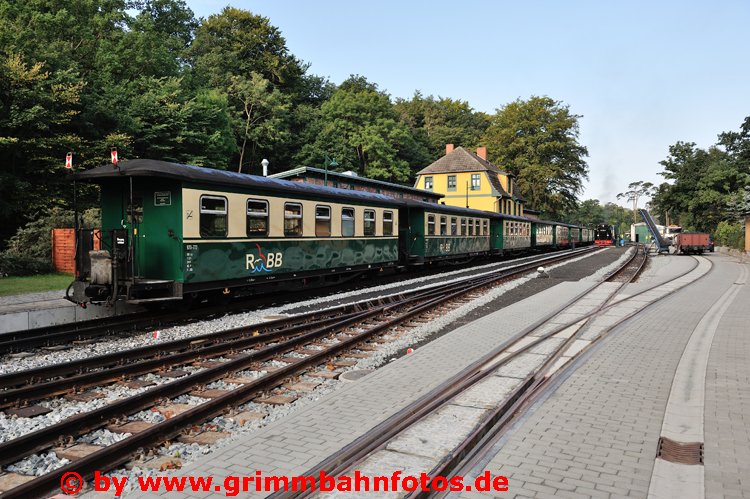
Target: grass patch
<point>34,283</point>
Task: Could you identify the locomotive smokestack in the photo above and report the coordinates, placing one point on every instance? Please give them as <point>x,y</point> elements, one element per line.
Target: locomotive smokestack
<point>265,167</point>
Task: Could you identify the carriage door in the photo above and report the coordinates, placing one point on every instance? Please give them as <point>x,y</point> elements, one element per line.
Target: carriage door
<point>138,249</point>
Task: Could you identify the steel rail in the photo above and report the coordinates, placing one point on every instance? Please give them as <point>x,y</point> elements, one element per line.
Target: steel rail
<point>378,437</point>
<point>12,450</point>
<point>537,389</point>
<point>116,454</point>
<point>200,345</point>
<point>498,417</point>
<point>15,341</point>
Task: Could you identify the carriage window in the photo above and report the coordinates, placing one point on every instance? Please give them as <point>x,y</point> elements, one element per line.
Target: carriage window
<point>135,214</point>
<point>213,216</point>
<point>463,227</point>
<point>322,221</point>
<point>387,223</point>
<point>347,222</point>
<point>486,224</point>
<point>454,226</point>
<point>257,218</point>
<point>292,219</point>
<point>471,226</point>
<point>430,225</point>
<point>369,222</point>
<point>443,226</point>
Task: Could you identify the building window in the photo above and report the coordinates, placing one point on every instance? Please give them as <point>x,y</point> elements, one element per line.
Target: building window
<point>387,223</point>
<point>451,182</point>
<point>257,218</point>
<point>292,219</point>
<point>428,183</point>
<point>322,221</point>
<point>213,216</point>
<point>369,222</point>
<point>347,222</point>
<point>475,181</point>
<point>463,227</point>
<point>430,225</point>
<point>454,226</point>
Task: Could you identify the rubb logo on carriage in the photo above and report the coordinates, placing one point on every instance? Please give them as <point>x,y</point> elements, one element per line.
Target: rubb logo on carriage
<point>262,263</point>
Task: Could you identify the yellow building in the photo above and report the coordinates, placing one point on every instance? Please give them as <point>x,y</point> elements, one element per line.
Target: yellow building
<point>468,180</point>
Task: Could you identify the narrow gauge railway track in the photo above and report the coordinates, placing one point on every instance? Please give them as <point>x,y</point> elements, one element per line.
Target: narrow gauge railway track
<point>375,322</point>
<point>85,331</point>
<point>18,389</point>
<point>471,448</point>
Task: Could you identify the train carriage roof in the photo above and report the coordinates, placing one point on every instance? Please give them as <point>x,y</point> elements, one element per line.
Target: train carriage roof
<point>468,212</point>
<point>189,173</point>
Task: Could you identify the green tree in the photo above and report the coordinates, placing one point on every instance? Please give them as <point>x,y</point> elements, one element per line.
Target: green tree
<point>705,184</point>
<point>161,121</point>
<point>637,190</point>
<point>261,121</point>
<point>360,128</point>
<point>537,140</point>
<point>236,42</point>
<point>442,121</point>
<point>36,110</point>
<point>589,212</point>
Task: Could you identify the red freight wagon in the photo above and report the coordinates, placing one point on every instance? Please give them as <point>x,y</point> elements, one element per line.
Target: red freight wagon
<point>691,242</point>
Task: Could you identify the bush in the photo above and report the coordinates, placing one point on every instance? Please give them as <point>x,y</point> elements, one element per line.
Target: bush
<point>18,265</point>
<point>29,251</point>
<point>730,234</point>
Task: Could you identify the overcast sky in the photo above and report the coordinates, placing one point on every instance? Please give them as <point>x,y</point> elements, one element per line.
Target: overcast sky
<point>643,75</point>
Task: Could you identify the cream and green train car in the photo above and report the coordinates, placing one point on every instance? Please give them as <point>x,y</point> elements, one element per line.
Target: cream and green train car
<point>542,234</point>
<point>439,232</point>
<point>171,230</point>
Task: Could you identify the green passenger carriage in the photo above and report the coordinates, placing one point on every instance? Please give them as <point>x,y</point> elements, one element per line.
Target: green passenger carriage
<point>185,229</point>
<point>172,231</point>
<point>438,232</point>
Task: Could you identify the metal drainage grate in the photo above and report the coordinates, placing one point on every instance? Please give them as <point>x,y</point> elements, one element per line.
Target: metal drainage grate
<point>682,453</point>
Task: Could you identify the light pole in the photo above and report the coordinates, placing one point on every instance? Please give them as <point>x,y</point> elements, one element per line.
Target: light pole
<point>328,162</point>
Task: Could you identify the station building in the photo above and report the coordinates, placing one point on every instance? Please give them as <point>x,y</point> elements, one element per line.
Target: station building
<point>468,180</point>
<point>350,180</point>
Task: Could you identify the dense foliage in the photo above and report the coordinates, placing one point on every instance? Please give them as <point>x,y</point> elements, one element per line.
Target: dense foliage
<point>708,190</point>
<point>537,140</point>
<point>591,213</point>
<point>149,78</point>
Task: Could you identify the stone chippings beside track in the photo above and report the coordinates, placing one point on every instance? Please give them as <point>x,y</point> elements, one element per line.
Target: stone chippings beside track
<point>578,269</point>
<point>29,360</point>
<point>38,464</point>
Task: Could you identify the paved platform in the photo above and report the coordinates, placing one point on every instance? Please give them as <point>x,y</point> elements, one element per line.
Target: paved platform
<point>597,434</point>
<point>49,308</point>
